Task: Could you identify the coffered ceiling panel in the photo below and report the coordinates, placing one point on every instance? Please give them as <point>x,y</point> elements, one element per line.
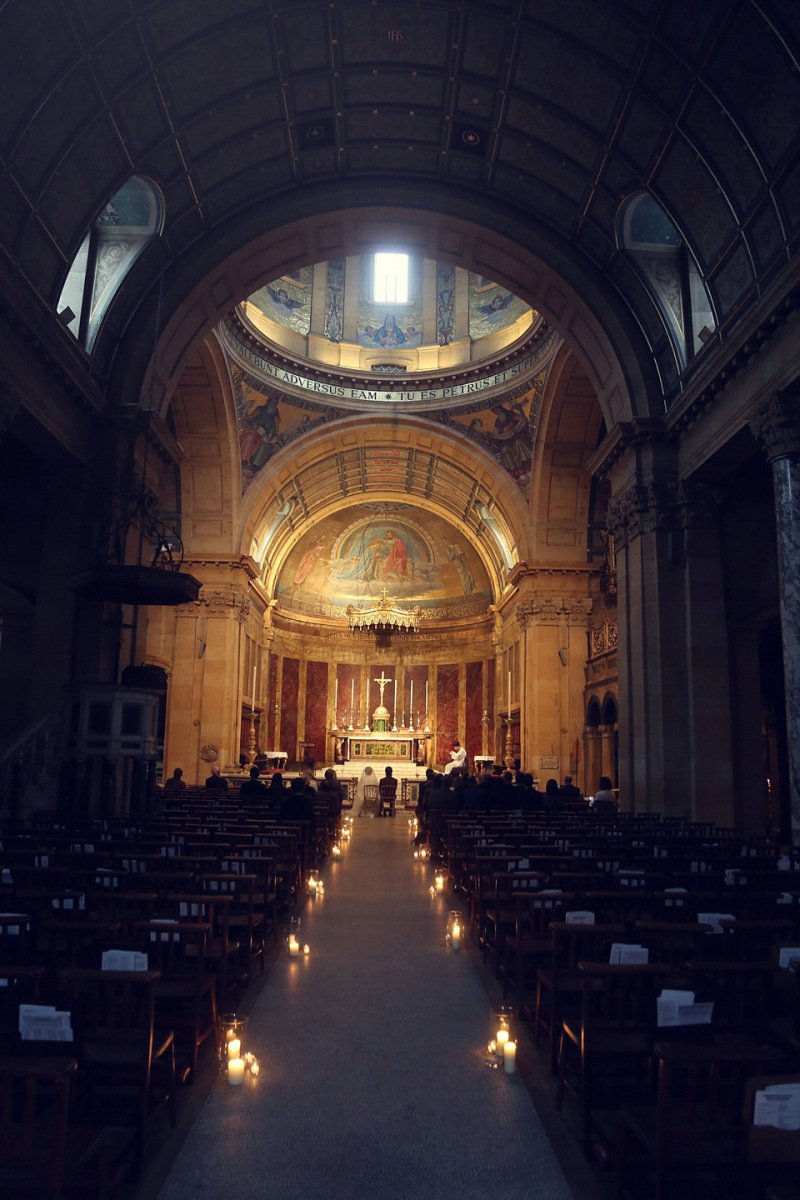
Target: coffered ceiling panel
<point>550,111</point>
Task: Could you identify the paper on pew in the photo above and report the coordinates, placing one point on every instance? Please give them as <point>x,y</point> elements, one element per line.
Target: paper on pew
<point>123,960</point>
<point>677,1007</point>
<point>713,919</point>
<point>43,1023</point>
<point>580,917</point>
<point>625,954</point>
<point>778,1105</point>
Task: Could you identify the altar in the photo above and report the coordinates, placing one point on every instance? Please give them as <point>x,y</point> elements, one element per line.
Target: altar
<point>405,746</point>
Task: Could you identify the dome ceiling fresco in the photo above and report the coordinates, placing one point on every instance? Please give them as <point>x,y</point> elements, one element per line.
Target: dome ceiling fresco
<point>351,557</point>
<point>445,305</point>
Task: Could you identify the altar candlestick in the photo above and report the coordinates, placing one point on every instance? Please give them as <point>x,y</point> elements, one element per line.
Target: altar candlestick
<point>254,685</point>
<point>394,710</point>
<point>335,699</point>
<point>411,702</point>
<point>352,690</point>
<point>426,698</point>
<point>509,696</point>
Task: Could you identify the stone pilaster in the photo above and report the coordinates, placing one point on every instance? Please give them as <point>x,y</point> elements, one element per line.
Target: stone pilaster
<point>668,747</point>
<point>554,624</point>
<point>776,425</point>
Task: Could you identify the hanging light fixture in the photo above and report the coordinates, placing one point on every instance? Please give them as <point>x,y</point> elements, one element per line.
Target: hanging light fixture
<point>384,617</point>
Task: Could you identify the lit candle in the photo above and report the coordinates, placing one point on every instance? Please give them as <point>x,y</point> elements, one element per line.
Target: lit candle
<point>306,949</point>
<point>510,1057</point>
<point>394,710</point>
<point>234,1046</point>
<point>411,703</point>
<point>236,1071</point>
<point>294,947</point>
<point>254,685</point>
<point>502,1037</point>
<point>509,695</point>
<point>254,1067</point>
<point>426,698</point>
<point>335,699</point>
<point>456,937</point>
<point>352,693</point>
<point>440,883</point>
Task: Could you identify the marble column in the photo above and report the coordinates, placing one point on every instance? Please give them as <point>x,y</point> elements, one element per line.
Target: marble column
<point>776,425</point>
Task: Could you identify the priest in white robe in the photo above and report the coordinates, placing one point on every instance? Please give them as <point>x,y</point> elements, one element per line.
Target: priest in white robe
<point>458,757</point>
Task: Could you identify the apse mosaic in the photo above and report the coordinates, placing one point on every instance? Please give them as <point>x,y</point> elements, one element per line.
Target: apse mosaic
<point>353,555</point>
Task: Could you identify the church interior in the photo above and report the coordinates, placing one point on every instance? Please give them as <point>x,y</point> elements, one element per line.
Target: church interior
<point>378,378</point>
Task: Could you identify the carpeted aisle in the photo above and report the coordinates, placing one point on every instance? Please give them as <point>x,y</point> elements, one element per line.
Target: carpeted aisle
<point>372,1050</point>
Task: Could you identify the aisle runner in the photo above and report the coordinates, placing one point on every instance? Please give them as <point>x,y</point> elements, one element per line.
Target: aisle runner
<point>373,1082</point>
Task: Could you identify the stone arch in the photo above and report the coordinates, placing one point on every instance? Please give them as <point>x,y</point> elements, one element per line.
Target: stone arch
<point>320,446</point>
<point>541,270</point>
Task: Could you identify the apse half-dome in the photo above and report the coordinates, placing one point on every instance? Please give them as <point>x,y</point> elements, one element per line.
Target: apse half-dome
<point>351,556</point>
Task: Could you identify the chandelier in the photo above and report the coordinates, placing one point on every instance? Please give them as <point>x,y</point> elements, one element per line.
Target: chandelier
<point>385,616</point>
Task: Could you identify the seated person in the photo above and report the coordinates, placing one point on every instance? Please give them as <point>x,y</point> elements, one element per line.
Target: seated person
<point>253,788</point>
<point>276,790</point>
<point>298,805</point>
<point>387,789</point>
<point>604,798</point>
<point>215,782</point>
<point>458,757</point>
<point>331,790</point>
<point>175,782</point>
<point>568,789</point>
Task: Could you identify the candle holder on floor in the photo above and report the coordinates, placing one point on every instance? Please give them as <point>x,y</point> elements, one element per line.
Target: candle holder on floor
<point>455,930</point>
<point>231,1038</point>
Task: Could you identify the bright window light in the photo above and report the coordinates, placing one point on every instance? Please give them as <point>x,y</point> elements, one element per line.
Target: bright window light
<point>391,279</point>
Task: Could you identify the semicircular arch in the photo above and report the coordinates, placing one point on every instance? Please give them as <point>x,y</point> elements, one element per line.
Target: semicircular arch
<point>542,271</point>
<point>395,461</point>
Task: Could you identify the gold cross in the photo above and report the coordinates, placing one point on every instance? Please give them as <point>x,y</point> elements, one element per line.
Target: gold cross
<point>382,681</point>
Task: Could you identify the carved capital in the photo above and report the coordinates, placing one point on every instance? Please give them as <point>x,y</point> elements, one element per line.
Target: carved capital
<point>664,504</point>
<point>553,609</point>
<point>775,423</point>
<point>218,602</point>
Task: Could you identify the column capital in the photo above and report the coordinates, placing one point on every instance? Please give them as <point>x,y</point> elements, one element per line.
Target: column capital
<point>775,423</point>
<point>553,609</point>
<point>218,602</point>
<point>671,504</point>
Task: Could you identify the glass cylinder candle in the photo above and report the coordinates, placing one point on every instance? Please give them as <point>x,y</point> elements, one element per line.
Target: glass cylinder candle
<point>455,930</point>
<point>231,1031</point>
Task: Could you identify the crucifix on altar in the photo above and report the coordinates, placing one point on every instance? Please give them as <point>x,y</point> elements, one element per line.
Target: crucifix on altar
<point>380,717</point>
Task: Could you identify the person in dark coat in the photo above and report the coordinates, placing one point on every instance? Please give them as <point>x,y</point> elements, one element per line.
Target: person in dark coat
<point>253,788</point>
<point>215,781</point>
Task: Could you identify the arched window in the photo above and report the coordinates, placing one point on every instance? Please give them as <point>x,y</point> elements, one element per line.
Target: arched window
<point>664,261</point>
<point>130,220</point>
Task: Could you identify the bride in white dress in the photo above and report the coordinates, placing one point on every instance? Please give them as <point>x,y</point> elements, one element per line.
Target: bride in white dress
<point>367,776</point>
